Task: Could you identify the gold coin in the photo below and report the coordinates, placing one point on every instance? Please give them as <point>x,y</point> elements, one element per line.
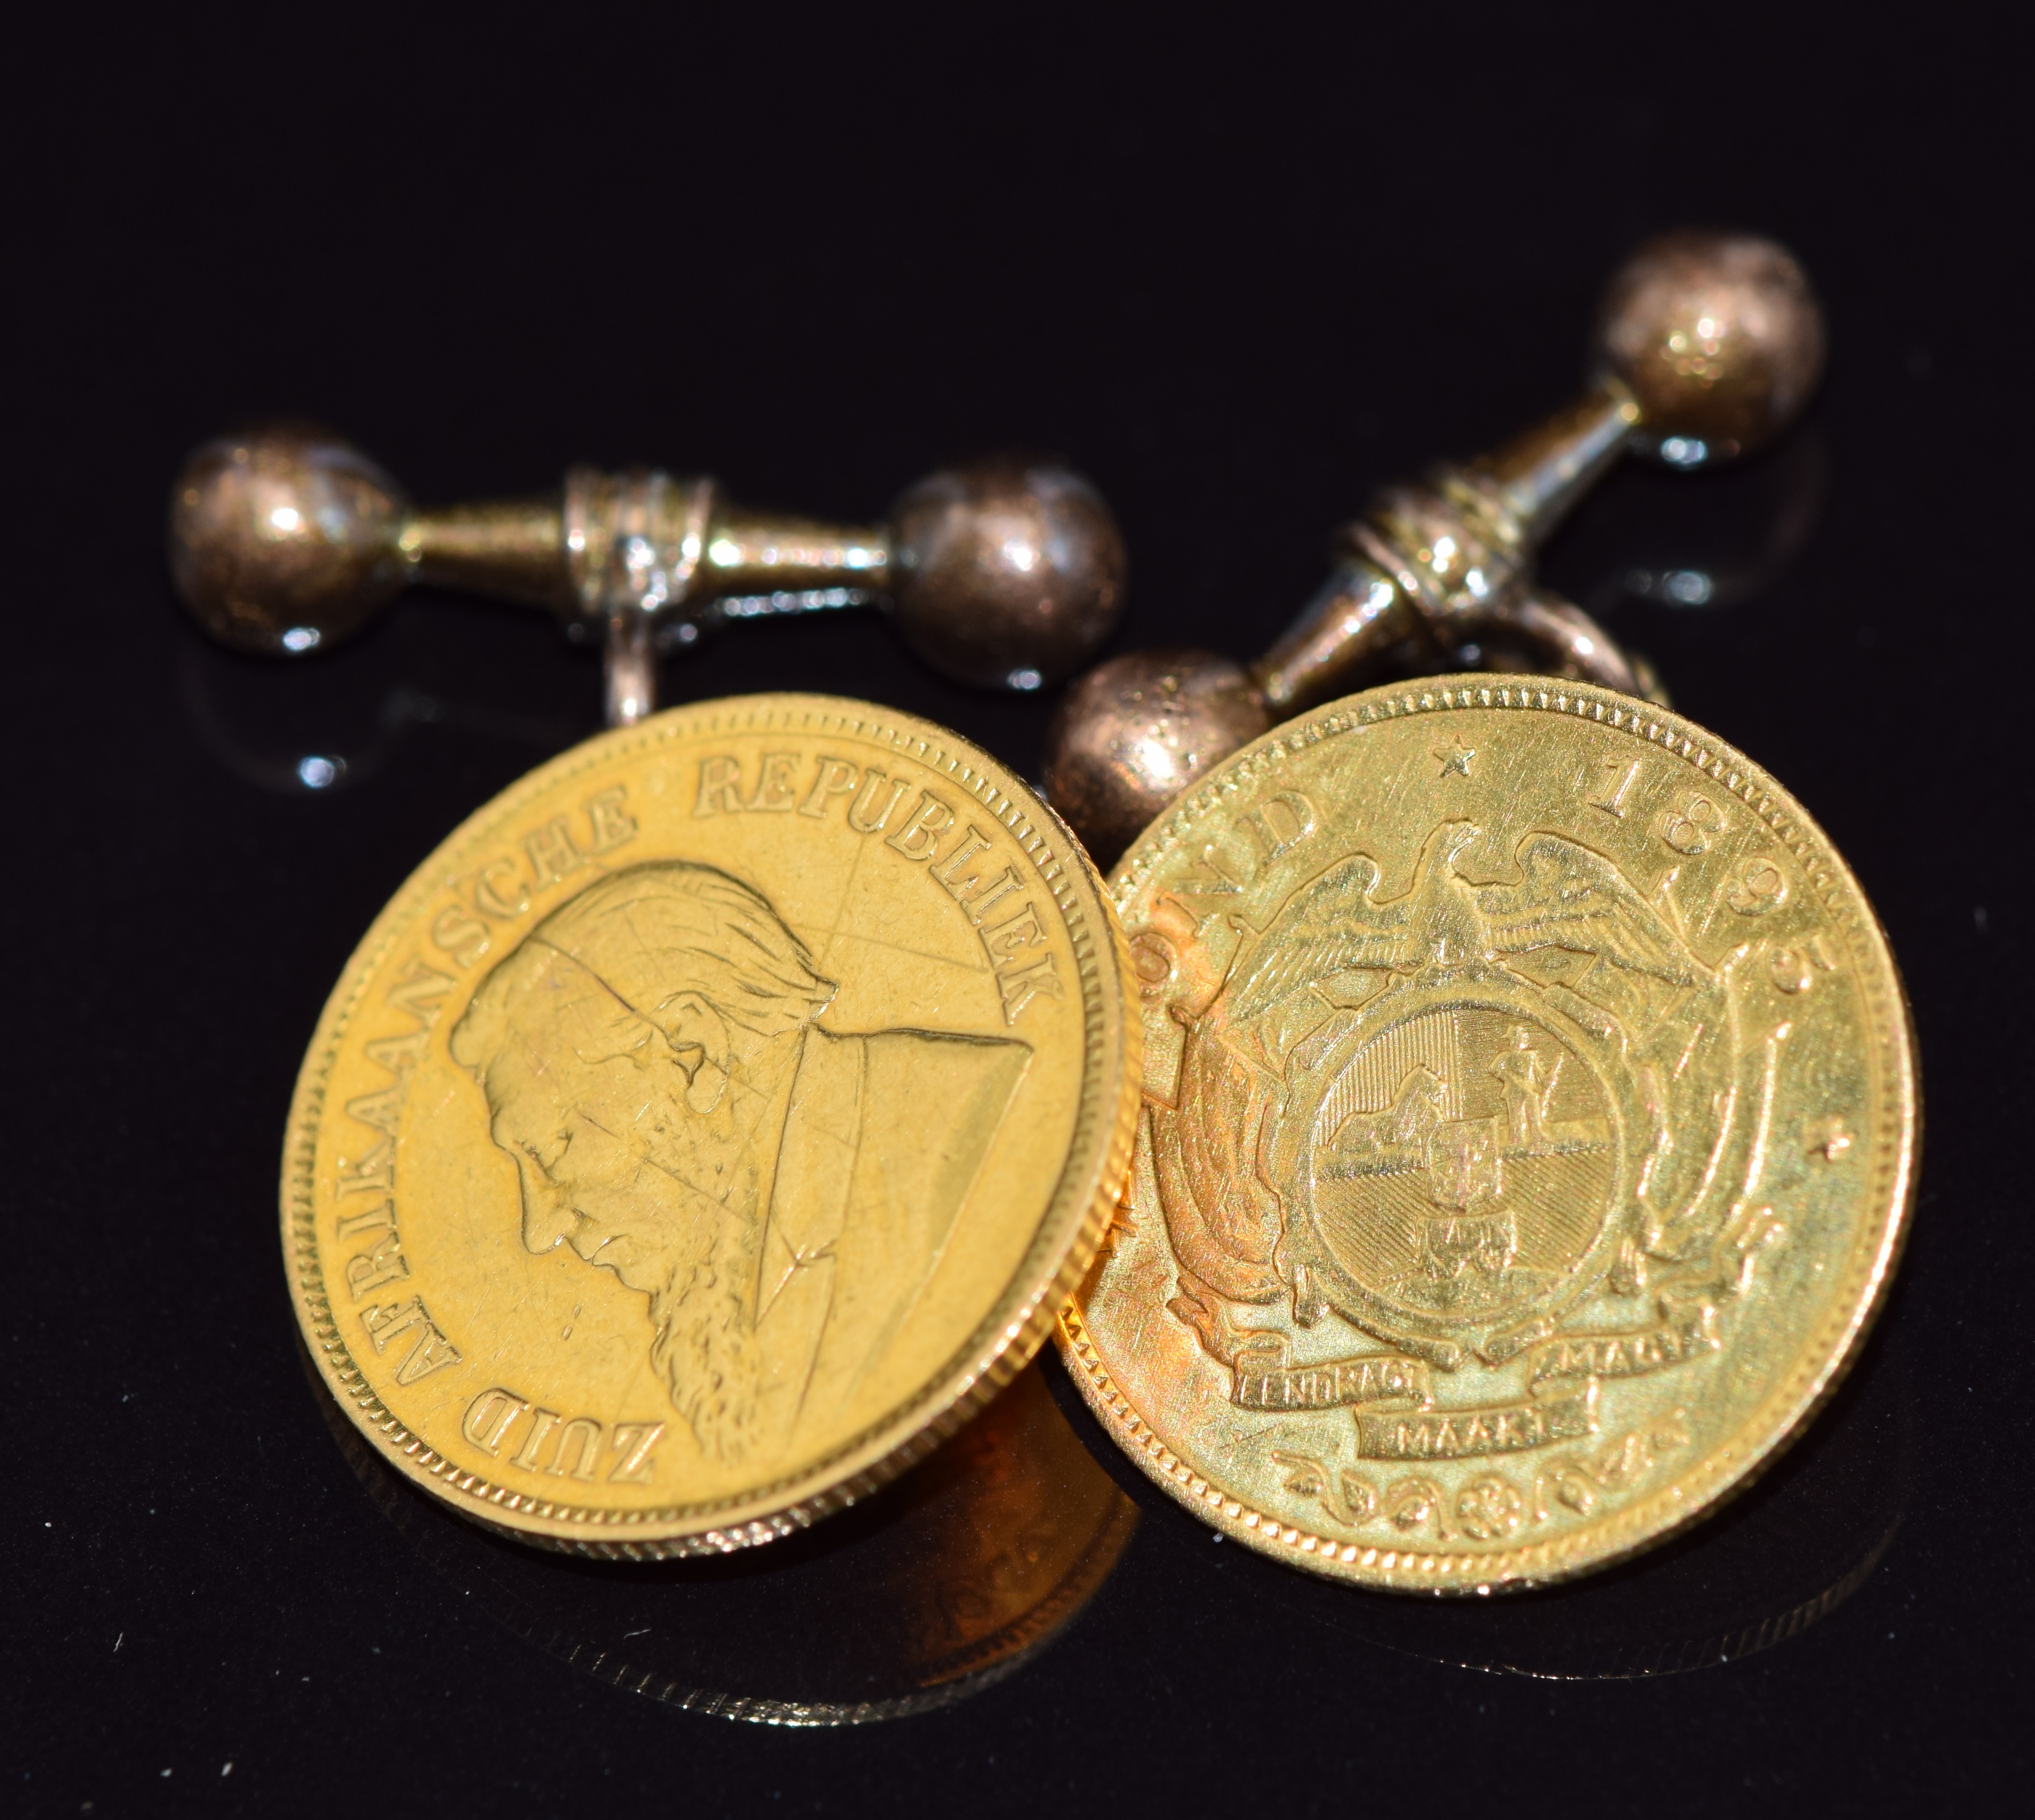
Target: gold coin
<point>710,1124</point>
<point>1530,1124</point>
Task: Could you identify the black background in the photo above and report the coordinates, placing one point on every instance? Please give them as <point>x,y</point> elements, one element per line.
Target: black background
<point>1240,268</point>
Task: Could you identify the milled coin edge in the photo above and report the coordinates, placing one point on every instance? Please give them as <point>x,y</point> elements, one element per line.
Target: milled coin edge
<point>1083,1198</point>
<point>1788,1409</point>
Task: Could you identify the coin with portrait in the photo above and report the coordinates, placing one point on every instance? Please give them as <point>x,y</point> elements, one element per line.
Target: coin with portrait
<point>710,1124</point>
<point>1529,1129</point>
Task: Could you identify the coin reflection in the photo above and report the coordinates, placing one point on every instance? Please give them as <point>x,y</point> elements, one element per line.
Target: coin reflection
<point>929,1590</point>
<point>1781,1558</point>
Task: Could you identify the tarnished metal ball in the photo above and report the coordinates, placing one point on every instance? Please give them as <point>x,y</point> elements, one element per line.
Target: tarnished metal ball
<point>1720,338</point>
<point>1007,574</point>
<point>1135,732</point>
<point>284,539</point>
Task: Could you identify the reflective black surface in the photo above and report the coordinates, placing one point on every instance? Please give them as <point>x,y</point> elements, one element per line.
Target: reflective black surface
<point>1239,272</point>
<point>940,1584</point>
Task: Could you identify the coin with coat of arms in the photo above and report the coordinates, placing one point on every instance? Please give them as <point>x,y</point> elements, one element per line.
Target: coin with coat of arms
<point>1530,1124</point>
<point>710,1126</point>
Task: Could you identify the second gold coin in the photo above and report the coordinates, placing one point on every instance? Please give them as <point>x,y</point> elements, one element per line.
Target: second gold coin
<point>1530,1123</point>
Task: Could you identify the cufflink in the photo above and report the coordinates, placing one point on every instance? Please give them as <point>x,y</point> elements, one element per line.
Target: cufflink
<point>1707,346</point>
<point>286,540</point>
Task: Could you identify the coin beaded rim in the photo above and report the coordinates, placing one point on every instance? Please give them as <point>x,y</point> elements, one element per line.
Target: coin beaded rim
<point>1826,1352</point>
<point>1096,1166</point>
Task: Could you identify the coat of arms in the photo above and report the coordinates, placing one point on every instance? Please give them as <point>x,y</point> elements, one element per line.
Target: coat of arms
<point>1452,1119</point>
